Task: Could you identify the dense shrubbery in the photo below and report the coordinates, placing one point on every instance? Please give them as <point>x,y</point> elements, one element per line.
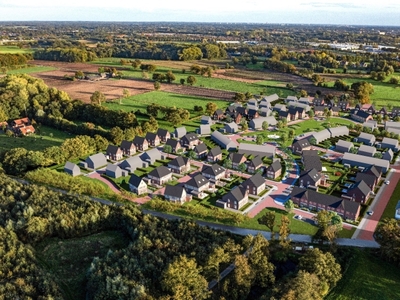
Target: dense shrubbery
<point>65,54</point>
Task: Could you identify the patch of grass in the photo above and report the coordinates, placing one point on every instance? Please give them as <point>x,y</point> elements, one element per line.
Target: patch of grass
<point>347,233</point>
<point>296,226</point>
<point>368,277</point>
<point>391,206</point>
<point>14,49</point>
<point>68,266</point>
<point>43,138</point>
<point>28,70</point>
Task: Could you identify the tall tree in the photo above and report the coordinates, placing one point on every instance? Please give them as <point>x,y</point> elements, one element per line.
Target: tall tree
<point>211,107</point>
<point>97,98</point>
<point>269,220</point>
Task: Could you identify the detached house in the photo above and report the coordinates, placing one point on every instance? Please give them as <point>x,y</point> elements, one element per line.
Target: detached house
<point>132,163</point>
<point>114,152</point>
<point>300,145</point>
<point>179,165</point>
<point>160,175</point>
<point>360,116</point>
<point>163,134</point>
<point>180,132</point>
<point>213,172</point>
<point>141,143</point>
<point>153,139</point>
<point>197,185</point>
<point>22,126</point>
<point>235,199</point>
<point>310,178</point>
<point>175,193</point>
<point>201,150</point>
<point>237,159</point>
<point>214,155</point>
<point>231,128</point>
<point>254,164</point>
<point>96,161</point>
<point>390,144</point>
<point>189,140</point>
<point>255,184</point>
<point>115,171</point>
<point>366,138</point>
<point>274,170</point>
<point>72,169</point>
<point>366,150</point>
<point>137,185</point>
<point>128,148</point>
<point>218,115</point>
<point>343,146</point>
<point>175,145</point>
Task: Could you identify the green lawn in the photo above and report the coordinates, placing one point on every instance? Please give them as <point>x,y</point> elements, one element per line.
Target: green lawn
<point>29,70</point>
<point>68,266</point>
<point>43,138</point>
<point>391,206</point>
<point>368,278</point>
<point>13,49</point>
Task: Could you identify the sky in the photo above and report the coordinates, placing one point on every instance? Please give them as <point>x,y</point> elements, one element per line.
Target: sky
<point>355,12</point>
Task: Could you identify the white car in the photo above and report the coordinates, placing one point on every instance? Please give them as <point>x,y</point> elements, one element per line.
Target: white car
<point>387,182</point>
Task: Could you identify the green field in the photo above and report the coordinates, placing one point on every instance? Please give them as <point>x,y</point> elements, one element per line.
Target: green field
<point>43,138</point>
<point>368,278</point>
<point>29,70</point>
<point>13,49</point>
<point>391,206</point>
<point>68,266</point>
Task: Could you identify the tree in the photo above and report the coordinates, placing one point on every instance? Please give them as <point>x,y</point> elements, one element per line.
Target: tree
<point>218,256</point>
<point>243,276</point>
<point>167,149</point>
<point>268,220</point>
<point>387,235</point>
<point>228,163</point>
<point>311,113</point>
<point>327,144</point>
<point>182,279</point>
<point>211,107</point>
<point>97,98</point>
<point>304,286</point>
<point>313,141</point>
<point>362,90</point>
<point>157,85</point>
<point>265,125</point>
<point>170,77</point>
<point>191,80</point>
<point>191,53</point>
<point>182,81</point>
<point>259,140</point>
<point>289,206</point>
<point>291,133</point>
<point>116,135</point>
<point>79,74</point>
<point>240,97</point>
<point>242,167</point>
<point>191,154</point>
<point>284,231</point>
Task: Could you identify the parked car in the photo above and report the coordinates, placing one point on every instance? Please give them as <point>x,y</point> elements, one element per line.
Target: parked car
<point>387,181</point>
<point>370,213</point>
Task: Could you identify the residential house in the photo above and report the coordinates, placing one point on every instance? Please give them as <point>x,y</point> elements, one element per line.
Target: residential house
<point>311,160</point>
<point>274,170</point>
<point>242,111</point>
<point>291,99</point>
<point>257,123</point>
<point>218,115</point>
<point>304,100</point>
<point>235,199</point>
<point>265,104</point>
<point>180,132</point>
<point>264,112</point>
<point>179,165</point>
<point>231,127</point>
<point>352,160</point>
<point>114,152</point>
<point>204,130</point>
<point>115,171</point>
<point>132,163</point>
<point>279,107</point>
<point>360,115</point>
<point>128,148</point>
<point>163,134</point>
<point>72,169</point>
<point>175,194</point>
<point>201,150</point>
<point>375,171</point>
<point>284,115</point>
<point>319,110</point>
<point>197,185</point>
<point>96,161</point>
<point>310,178</point>
<point>214,155</point>
<point>189,140</point>
<point>153,139</point>
<point>252,114</point>
<point>293,114</point>
<point>299,145</point>
<point>252,102</point>
<point>213,172</point>
<point>383,111</point>
<point>320,136</point>
<point>270,98</point>
<point>260,150</point>
<point>366,150</point>
<point>371,109</point>
<point>343,146</point>
<point>366,139</point>
<point>388,155</point>
<point>390,144</point>
<point>358,192</point>
<point>141,143</point>
<point>175,145</point>
<point>344,105</point>
<point>223,141</point>
<point>254,164</point>
<point>206,120</point>
<point>137,185</point>
<point>315,201</point>
<point>255,184</point>
<point>151,156</point>
<point>237,159</point>
<point>319,102</point>
<point>372,124</point>
<point>335,110</point>
<point>22,126</point>
<point>160,175</point>
<point>369,179</point>
<point>339,131</point>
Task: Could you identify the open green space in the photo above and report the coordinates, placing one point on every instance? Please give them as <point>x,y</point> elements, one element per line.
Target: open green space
<point>43,138</point>
<point>14,49</point>
<point>67,260</point>
<point>368,277</point>
<point>391,206</point>
<point>31,69</point>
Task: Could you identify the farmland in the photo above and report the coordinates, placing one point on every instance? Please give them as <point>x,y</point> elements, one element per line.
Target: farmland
<point>14,49</point>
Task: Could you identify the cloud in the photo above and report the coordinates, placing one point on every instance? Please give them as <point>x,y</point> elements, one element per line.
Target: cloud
<point>345,5</point>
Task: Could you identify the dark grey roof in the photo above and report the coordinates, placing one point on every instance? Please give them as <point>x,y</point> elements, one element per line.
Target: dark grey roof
<point>241,110</point>
<point>190,137</point>
<point>257,180</point>
<point>127,144</point>
<point>374,170</point>
<point>319,108</point>
<point>218,112</point>
<point>215,151</point>
<point>179,161</point>
<point>364,161</point>
<point>312,162</point>
<point>361,186</point>
<point>236,157</point>
<point>160,172</point>
<point>162,132</point>
<point>197,181</point>
<point>173,143</point>
<point>275,166</point>
<point>256,161</point>
<point>135,180</point>
<point>304,143</point>
<point>252,112</point>
<point>237,194</point>
<point>174,190</point>
<point>213,170</point>
<point>112,149</point>
<point>283,113</point>
<point>312,173</point>
<point>150,136</point>
<point>360,113</point>
<point>369,179</point>
<point>200,148</point>
<point>324,199</point>
<point>139,140</point>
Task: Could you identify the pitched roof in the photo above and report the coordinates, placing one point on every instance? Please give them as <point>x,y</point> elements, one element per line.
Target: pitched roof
<point>98,159</point>
<point>112,149</point>
<point>312,162</point>
<point>257,180</point>
<point>360,113</point>
<point>112,168</point>
<point>338,131</point>
<point>200,148</point>
<point>324,199</point>
<point>262,150</point>
<point>366,136</point>
<point>271,98</point>
<point>376,171</point>
<point>71,166</point>
<point>139,140</point>
<point>369,179</point>
<point>223,140</point>
<point>361,160</point>
<point>215,151</point>
<point>361,186</point>
<point>366,150</point>
<point>276,165</point>
<point>173,143</point>
<point>256,161</point>
<point>205,129</point>
<point>390,141</point>
<point>127,144</point>
<point>174,190</point>
<point>231,126</point>
<point>190,137</point>
<point>152,155</point>
<point>309,153</point>
<point>237,194</point>
<point>135,180</point>
<point>160,172</point>
<point>162,132</point>
<point>236,157</point>
<point>213,170</point>
<point>197,181</point>
<point>304,143</point>
<point>344,144</point>
<point>179,161</point>
<point>312,173</point>
<point>257,123</point>
<point>180,131</point>
<point>150,136</point>
<point>131,162</point>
